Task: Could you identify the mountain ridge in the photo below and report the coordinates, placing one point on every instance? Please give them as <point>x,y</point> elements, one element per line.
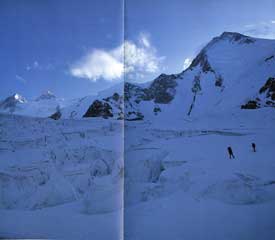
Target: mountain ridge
<point>226,75</point>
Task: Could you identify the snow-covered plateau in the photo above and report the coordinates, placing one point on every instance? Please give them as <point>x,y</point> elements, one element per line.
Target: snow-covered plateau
<point>150,162</point>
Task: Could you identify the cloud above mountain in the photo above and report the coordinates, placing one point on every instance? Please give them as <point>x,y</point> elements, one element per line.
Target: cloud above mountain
<point>265,29</point>
<point>130,60</point>
<point>187,63</point>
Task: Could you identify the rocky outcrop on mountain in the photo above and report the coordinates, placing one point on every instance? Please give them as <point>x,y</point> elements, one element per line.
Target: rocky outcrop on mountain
<point>266,97</point>
<point>202,61</point>
<point>269,89</point>
<point>269,58</point>
<point>57,115</point>
<point>251,104</point>
<point>163,89</point>
<point>107,107</point>
<point>99,109</point>
<point>134,116</point>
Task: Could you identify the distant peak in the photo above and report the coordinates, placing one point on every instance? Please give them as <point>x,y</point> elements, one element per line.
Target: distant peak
<point>12,102</point>
<point>18,97</point>
<point>46,96</point>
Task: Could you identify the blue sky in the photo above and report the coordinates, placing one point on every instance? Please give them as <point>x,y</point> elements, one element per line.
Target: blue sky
<point>76,48</point>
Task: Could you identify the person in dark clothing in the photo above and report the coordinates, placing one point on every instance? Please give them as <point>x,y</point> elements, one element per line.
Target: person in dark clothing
<point>254,147</point>
<point>231,155</point>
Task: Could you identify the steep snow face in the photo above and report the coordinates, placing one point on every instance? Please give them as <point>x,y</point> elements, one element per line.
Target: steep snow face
<point>228,72</point>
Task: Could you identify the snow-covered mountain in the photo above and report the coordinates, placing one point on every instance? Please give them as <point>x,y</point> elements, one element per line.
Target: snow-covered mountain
<point>12,103</point>
<point>43,106</point>
<point>46,96</point>
<point>231,72</point>
<point>148,176</point>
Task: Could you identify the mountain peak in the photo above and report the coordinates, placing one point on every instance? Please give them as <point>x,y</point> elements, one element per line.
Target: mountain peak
<point>17,97</point>
<point>46,96</point>
<point>235,37</point>
<point>232,37</point>
<point>11,102</point>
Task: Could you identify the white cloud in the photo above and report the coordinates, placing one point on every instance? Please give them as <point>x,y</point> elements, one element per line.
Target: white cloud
<point>20,79</point>
<point>37,66</point>
<point>98,64</point>
<point>187,63</point>
<point>261,30</point>
<point>34,65</point>
<point>144,40</point>
<point>133,60</point>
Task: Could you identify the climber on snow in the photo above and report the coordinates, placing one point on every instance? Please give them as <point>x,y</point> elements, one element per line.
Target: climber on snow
<point>254,147</point>
<point>230,152</point>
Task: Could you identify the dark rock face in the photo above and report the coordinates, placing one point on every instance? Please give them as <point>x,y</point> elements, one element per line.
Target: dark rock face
<point>219,81</point>
<point>134,116</point>
<point>270,103</point>
<point>115,97</point>
<point>269,58</point>
<point>269,88</point>
<point>202,60</point>
<point>134,91</point>
<point>269,98</point>
<point>162,90</point>
<point>156,110</point>
<point>57,115</point>
<point>252,104</point>
<point>99,109</point>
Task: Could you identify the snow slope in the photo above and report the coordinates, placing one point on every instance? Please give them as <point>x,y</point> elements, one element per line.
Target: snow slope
<point>167,176</point>
<point>181,184</point>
